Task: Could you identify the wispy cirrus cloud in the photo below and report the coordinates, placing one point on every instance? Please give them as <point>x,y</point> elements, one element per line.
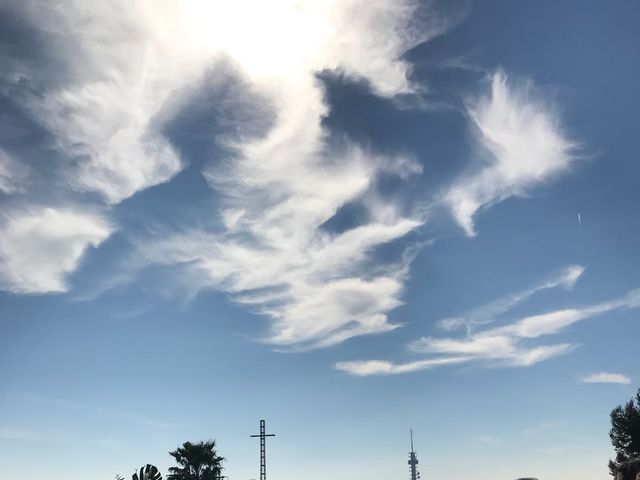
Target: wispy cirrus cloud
<point>97,77</point>
<point>606,377</point>
<point>543,427</point>
<point>487,313</point>
<point>120,70</point>
<point>560,449</point>
<point>486,439</point>
<point>28,435</point>
<point>520,145</point>
<point>12,173</point>
<point>316,286</point>
<point>271,250</point>
<point>58,405</point>
<point>382,367</point>
<point>110,76</point>
<point>508,345</point>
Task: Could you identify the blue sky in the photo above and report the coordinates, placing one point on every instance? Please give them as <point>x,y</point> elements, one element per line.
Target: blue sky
<point>349,218</point>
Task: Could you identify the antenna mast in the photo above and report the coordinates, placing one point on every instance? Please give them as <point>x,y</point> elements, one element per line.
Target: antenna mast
<point>413,460</point>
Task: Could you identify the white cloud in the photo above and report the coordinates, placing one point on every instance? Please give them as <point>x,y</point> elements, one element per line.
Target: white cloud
<point>563,450</point>
<point>523,144</point>
<point>24,435</point>
<point>501,346</point>
<point>543,427</point>
<point>111,73</point>
<point>381,367</point>
<point>39,248</point>
<point>604,377</point>
<point>121,68</point>
<point>315,286</point>
<point>278,190</point>
<point>116,70</point>
<point>57,406</point>
<point>488,439</point>
<point>127,65</point>
<point>487,313</point>
<point>491,346</point>
<point>11,173</point>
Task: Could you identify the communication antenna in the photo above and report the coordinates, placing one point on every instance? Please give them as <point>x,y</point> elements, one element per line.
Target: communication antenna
<point>413,460</point>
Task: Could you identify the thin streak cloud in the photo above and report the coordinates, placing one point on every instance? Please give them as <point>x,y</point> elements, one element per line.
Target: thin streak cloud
<point>51,403</point>
<point>508,345</point>
<point>487,313</point>
<point>605,377</point>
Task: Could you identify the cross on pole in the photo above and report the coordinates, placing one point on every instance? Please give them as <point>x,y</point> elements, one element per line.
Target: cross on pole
<point>263,449</point>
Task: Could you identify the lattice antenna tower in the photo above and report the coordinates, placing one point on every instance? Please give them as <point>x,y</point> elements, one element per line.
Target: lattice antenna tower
<point>413,460</point>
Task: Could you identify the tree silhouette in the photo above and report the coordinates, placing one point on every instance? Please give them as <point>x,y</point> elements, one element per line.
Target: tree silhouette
<point>148,472</point>
<point>198,461</point>
<point>625,433</point>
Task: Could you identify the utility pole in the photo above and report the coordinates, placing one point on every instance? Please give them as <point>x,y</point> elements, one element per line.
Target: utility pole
<point>263,449</point>
<point>413,461</point>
